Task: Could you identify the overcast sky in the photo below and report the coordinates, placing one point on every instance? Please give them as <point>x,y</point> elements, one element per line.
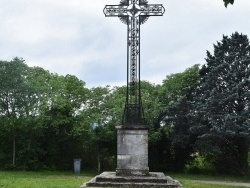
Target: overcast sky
<point>74,37</point>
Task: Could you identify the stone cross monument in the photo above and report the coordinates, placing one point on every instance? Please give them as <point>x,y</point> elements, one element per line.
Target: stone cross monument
<point>132,136</point>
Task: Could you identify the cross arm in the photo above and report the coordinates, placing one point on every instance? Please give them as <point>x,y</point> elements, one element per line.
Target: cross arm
<point>143,10</point>
<point>152,10</point>
<point>115,10</point>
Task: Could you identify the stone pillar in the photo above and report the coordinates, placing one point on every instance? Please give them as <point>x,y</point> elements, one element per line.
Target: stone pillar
<point>132,151</point>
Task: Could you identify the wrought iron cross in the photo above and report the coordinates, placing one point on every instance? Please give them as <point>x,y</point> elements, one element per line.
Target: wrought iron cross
<point>133,13</point>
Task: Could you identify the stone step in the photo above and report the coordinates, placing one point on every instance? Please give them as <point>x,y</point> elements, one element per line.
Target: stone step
<point>133,180</point>
<point>132,185</point>
<point>154,180</point>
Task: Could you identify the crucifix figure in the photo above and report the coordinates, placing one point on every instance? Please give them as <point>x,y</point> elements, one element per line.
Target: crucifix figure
<point>133,13</point>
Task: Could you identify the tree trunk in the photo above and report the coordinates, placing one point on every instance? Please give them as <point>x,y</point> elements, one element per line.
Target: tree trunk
<point>99,162</point>
<point>28,152</point>
<point>14,150</point>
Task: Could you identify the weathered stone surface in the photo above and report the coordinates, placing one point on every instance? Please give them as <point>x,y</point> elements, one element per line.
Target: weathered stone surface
<point>153,180</point>
<point>132,151</point>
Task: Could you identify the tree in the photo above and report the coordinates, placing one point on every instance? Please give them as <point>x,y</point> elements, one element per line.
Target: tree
<point>101,139</point>
<point>13,93</point>
<point>226,2</point>
<point>23,98</point>
<point>176,95</point>
<point>221,105</point>
<point>30,151</point>
<point>178,85</point>
<point>66,98</point>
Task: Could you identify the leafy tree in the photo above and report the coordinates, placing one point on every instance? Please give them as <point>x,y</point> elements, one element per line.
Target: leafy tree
<point>174,95</point>
<point>221,104</point>
<point>13,93</point>
<point>101,139</point>
<point>65,99</point>
<point>226,2</point>
<point>32,130</point>
<point>179,117</point>
<point>23,97</point>
<point>178,85</point>
<point>116,102</point>
<point>150,103</point>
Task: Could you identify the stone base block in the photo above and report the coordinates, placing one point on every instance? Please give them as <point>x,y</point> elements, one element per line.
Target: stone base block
<point>153,180</point>
<point>132,152</point>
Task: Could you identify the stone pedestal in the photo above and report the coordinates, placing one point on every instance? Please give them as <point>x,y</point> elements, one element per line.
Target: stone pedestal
<point>132,164</point>
<point>132,151</point>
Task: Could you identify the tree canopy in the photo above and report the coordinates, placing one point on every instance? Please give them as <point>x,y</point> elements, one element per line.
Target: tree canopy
<point>200,114</point>
<point>221,104</point>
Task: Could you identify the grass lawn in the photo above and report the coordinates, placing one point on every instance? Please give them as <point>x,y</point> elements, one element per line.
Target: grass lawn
<point>20,179</point>
<point>187,180</point>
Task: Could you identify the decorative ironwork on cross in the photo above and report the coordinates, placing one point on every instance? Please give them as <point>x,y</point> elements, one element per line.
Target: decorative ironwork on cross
<point>133,13</point>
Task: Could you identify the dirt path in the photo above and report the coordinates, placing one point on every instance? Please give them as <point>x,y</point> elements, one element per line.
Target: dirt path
<point>233,183</point>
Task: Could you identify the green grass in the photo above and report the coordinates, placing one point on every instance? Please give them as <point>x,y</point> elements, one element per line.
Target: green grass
<point>48,179</point>
<point>187,180</point>
<point>188,184</point>
<point>42,179</point>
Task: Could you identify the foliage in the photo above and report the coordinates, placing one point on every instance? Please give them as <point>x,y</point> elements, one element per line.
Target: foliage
<point>173,146</point>
<point>37,109</point>
<point>221,107</point>
<point>226,2</point>
<point>47,120</point>
<point>200,165</point>
<point>17,102</point>
<point>178,85</point>
<point>66,96</point>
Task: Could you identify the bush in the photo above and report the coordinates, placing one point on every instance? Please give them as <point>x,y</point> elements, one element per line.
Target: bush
<point>200,165</point>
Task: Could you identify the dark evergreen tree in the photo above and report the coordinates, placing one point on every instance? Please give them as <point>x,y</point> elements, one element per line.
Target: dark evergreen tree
<point>221,105</point>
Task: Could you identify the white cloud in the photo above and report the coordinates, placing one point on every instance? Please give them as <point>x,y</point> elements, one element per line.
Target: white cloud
<point>74,36</point>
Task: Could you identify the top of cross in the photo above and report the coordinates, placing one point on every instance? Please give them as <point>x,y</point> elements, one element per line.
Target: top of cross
<point>133,9</point>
